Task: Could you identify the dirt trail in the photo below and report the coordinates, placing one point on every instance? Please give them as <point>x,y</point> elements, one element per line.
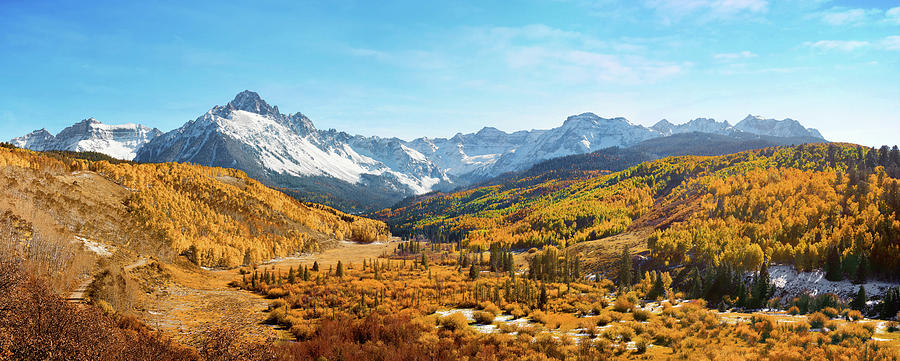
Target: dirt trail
<point>78,295</point>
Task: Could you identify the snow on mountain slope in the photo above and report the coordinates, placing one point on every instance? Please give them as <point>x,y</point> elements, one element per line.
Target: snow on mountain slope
<point>491,152</point>
<point>89,135</point>
<point>699,125</point>
<point>287,151</point>
<point>776,128</point>
<point>284,150</point>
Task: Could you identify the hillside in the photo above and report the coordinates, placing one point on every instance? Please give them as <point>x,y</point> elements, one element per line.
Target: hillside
<point>215,217</point>
<point>792,204</point>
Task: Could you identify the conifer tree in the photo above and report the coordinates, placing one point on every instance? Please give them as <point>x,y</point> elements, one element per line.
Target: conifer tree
<point>761,287</point>
<point>339,272</point>
<point>473,272</point>
<point>833,265</point>
<point>626,271</point>
<point>659,290</point>
<point>542,301</point>
<point>292,278</point>
<point>315,266</point>
<point>862,269</point>
<point>859,302</point>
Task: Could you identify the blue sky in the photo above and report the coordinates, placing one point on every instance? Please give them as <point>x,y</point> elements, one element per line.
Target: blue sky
<point>424,68</point>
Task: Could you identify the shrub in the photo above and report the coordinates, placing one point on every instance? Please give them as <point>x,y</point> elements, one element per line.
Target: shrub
<point>850,331</point>
<point>817,320</point>
<point>619,333</point>
<point>483,317</point>
<point>492,309</point>
<point>623,304</point>
<point>664,336</point>
<point>825,300</point>
<point>278,303</point>
<point>641,343</point>
<point>454,321</point>
<point>641,315</point>
<point>276,292</point>
<point>794,310</point>
<point>303,331</point>
<point>540,317</point>
<point>893,326</point>
<point>278,316</point>
<point>518,312</point>
<point>508,328</point>
<point>105,307</point>
<point>831,312</point>
<point>797,327</point>
<point>598,307</point>
<point>764,325</point>
<point>604,319</point>
<point>854,315</point>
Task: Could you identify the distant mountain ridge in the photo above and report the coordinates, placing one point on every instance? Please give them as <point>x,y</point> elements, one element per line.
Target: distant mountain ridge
<point>356,173</point>
<point>90,135</point>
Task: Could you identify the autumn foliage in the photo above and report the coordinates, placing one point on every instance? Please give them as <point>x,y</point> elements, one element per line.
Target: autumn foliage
<point>217,217</point>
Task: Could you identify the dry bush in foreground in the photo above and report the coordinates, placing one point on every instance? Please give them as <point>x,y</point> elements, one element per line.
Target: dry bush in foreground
<point>35,324</point>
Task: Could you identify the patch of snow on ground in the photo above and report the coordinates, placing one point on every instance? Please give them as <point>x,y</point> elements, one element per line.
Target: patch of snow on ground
<point>98,248</point>
<point>789,282</point>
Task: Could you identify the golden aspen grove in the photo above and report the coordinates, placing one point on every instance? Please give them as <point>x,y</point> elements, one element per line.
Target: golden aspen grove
<point>530,268</point>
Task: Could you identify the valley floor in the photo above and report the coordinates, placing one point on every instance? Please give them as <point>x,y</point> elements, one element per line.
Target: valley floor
<point>189,300</point>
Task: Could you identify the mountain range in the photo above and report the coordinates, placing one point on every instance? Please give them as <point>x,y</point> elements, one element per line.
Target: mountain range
<point>357,173</point>
<point>90,135</point>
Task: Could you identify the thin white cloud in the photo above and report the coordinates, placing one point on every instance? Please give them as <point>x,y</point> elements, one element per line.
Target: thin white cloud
<point>893,15</point>
<point>891,43</point>
<point>705,9</point>
<point>735,56</point>
<point>838,17</point>
<point>842,45</point>
<point>537,53</point>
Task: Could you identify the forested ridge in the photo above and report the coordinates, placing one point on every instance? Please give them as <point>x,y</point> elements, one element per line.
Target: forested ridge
<point>214,216</point>
<point>791,204</point>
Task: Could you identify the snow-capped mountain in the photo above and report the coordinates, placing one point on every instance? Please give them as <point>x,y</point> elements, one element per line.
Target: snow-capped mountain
<point>491,152</point>
<point>699,125</point>
<point>357,173</point>
<point>786,128</point>
<point>776,128</point>
<point>89,135</point>
<point>286,150</point>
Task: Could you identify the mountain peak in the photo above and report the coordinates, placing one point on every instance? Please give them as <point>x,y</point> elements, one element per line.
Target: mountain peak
<point>90,120</point>
<point>251,102</point>
<point>782,128</point>
<point>489,131</point>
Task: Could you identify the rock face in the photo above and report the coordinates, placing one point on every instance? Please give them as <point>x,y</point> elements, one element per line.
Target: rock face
<point>776,128</point>
<point>286,151</point>
<point>356,173</point>
<point>89,135</point>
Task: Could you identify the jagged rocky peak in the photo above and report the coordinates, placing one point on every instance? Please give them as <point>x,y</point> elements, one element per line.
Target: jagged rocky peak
<point>119,141</point>
<point>663,126</point>
<point>251,102</point>
<point>585,119</point>
<point>490,131</point>
<point>779,128</point>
